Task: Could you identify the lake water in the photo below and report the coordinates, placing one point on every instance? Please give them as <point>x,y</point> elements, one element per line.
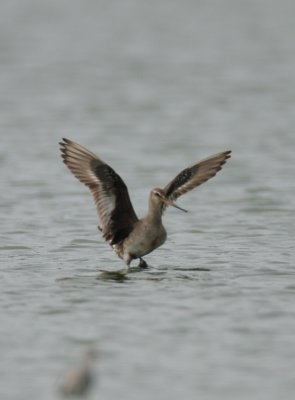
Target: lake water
<point>150,86</point>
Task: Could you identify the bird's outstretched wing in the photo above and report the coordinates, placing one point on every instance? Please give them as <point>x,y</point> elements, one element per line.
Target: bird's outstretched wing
<point>195,175</point>
<point>116,214</point>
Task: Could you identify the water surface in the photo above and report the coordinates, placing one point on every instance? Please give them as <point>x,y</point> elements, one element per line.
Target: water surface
<point>151,87</point>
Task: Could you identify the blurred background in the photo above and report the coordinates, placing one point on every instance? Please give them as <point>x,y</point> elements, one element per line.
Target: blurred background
<point>150,86</point>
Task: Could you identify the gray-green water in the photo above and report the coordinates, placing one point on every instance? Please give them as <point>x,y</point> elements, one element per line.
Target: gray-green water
<point>151,86</point>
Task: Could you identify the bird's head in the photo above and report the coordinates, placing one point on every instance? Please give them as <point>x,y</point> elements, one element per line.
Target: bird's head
<point>159,198</point>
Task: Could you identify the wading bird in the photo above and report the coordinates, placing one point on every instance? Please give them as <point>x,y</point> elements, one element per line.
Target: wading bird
<point>130,237</point>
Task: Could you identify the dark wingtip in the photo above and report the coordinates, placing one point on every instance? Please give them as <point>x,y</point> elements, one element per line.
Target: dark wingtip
<point>64,142</point>
<point>227,155</point>
<point>63,148</point>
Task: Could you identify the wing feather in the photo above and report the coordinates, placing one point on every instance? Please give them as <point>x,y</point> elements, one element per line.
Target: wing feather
<point>116,214</point>
<point>193,176</point>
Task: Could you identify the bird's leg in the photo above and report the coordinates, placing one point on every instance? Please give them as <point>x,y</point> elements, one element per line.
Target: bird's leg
<point>125,270</point>
<point>127,260</point>
<point>142,263</point>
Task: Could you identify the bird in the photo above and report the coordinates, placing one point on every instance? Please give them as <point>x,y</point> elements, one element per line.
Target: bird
<point>129,236</point>
<point>80,376</point>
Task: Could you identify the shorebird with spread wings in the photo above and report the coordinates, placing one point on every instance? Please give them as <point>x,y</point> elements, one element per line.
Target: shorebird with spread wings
<point>131,237</point>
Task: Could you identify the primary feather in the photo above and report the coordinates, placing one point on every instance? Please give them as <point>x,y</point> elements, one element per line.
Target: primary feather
<point>193,176</point>
<point>116,214</point>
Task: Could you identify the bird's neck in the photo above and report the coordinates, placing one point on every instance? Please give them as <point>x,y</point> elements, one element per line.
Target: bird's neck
<point>154,212</point>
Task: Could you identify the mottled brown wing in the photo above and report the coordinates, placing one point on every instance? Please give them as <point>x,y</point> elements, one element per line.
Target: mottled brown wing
<point>195,175</point>
<point>116,214</point>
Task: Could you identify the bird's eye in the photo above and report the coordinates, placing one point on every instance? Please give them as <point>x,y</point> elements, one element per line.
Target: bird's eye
<point>157,194</point>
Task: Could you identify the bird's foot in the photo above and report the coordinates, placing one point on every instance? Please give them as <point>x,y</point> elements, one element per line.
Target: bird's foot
<point>143,264</point>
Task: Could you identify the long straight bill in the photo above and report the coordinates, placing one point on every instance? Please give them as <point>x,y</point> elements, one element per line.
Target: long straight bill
<point>171,203</point>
